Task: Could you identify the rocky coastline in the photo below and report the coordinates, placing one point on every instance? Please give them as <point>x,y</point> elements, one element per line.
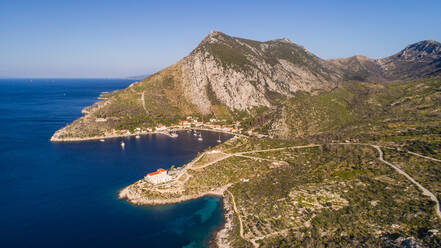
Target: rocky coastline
<point>220,236</point>
<point>79,139</point>
<point>55,137</point>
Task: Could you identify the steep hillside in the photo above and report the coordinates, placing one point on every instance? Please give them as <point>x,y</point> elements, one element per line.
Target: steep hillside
<point>358,110</point>
<point>240,73</point>
<point>422,59</point>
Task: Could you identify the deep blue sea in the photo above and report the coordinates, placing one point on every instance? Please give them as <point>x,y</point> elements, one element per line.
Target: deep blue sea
<point>65,194</point>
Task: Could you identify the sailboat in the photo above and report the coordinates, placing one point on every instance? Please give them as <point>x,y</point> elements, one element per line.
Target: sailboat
<point>219,140</point>
<point>123,144</point>
<point>200,137</point>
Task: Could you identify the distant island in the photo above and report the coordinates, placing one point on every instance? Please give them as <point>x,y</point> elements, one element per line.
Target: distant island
<point>138,77</point>
<point>341,152</point>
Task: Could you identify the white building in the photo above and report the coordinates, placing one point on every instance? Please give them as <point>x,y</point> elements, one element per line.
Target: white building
<point>159,176</point>
<point>213,151</point>
<point>161,128</point>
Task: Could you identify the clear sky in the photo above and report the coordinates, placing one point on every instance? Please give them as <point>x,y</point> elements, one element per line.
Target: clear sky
<point>125,38</point>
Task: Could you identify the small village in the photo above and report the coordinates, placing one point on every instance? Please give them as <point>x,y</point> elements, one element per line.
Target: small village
<point>188,124</point>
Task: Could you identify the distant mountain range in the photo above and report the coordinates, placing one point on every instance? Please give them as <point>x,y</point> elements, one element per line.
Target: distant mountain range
<point>422,59</point>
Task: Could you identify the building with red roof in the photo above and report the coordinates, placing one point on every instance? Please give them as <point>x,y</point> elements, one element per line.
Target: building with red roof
<point>159,176</point>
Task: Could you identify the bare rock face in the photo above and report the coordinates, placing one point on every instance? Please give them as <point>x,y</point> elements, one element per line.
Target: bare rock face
<point>422,59</point>
<point>243,74</point>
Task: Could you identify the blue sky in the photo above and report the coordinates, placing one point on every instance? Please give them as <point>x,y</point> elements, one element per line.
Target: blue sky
<point>124,38</point>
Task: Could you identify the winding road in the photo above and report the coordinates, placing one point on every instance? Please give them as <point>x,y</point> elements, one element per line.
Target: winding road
<point>426,192</point>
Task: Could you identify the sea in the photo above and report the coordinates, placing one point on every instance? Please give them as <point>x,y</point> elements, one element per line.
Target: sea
<point>66,194</point>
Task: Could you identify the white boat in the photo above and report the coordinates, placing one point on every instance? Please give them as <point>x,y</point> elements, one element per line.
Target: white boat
<point>219,140</point>
<point>174,135</point>
<point>123,144</point>
<point>102,140</point>
<point>137,136</point>
<point>200,137</point>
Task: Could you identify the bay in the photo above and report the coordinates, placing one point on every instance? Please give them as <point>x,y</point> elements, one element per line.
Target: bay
<point>65,194</point>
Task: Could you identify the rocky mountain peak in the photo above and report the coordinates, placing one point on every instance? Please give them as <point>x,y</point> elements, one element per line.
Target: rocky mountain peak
<point>214,34</point>
<point>421,50</point>
<point>213,37</point>
<point>242,74</point>
<point>286,40</point>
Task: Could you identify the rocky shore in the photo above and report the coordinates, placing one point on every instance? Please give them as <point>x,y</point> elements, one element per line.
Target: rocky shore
<point>221,236</point>
<point>133,195</point>
<point>55,138</point>
<point>135,198</point>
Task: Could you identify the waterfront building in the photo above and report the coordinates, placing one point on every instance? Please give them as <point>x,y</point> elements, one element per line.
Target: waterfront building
<point>159,176</point>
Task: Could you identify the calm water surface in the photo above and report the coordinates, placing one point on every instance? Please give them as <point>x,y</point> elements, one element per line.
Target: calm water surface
<point>65,194</point>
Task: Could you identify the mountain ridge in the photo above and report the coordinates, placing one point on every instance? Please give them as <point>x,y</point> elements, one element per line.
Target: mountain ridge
<point>417,60</point>
<point>246,81</point>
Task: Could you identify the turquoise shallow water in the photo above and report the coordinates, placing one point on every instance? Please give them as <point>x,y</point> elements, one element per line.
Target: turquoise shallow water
<point>65,194</point>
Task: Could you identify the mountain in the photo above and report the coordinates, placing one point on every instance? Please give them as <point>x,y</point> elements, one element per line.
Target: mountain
<point>422,59</point>
<point>360,68</point>
<point>259,84</point>
<point>242,74</point>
